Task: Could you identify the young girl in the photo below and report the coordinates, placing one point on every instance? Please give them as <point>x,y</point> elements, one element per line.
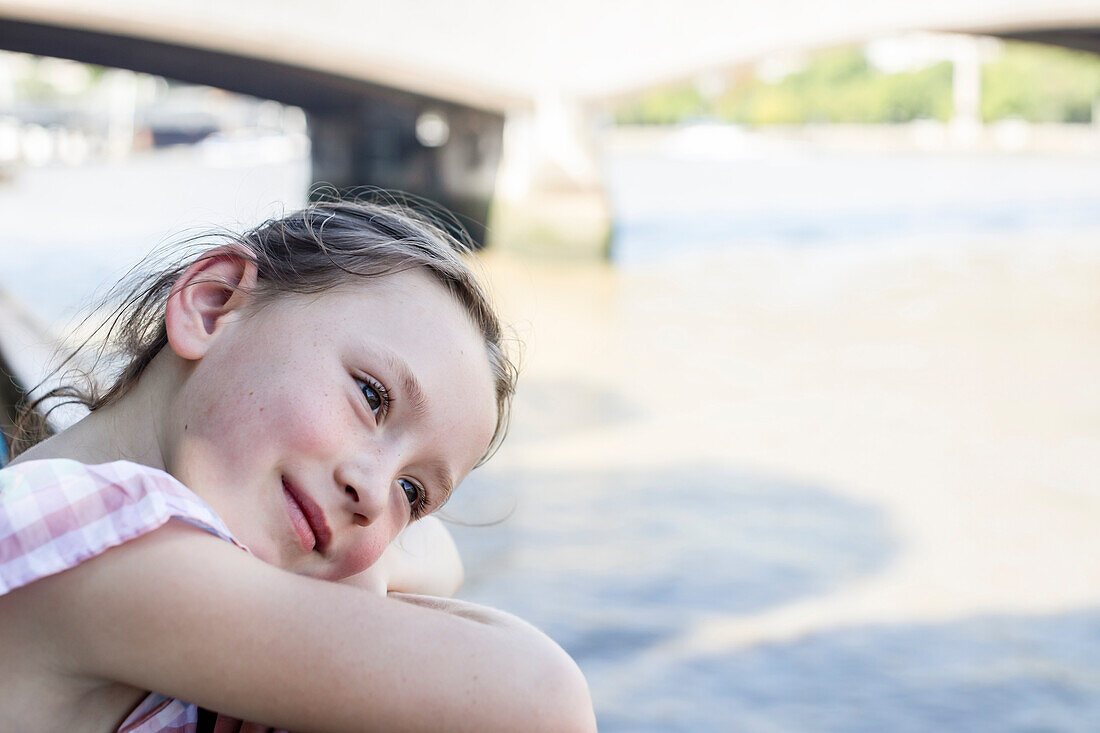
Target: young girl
<point>293,400</point>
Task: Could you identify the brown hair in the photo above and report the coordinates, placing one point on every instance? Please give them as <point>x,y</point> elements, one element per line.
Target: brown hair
<point>309,251</point>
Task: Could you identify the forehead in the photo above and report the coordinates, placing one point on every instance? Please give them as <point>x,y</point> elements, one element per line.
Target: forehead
<point>391,305</point>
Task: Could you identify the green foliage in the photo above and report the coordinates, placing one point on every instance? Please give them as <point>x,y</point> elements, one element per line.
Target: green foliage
<point>1041,84</point>
<point>662,107</point>
<point>1036,83</point>
<point>34,89</point>
<point>840,87</point>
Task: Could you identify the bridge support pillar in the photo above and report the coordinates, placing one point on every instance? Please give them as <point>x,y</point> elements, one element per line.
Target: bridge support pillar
<point>444,153</point>
<point>550,199</point>
<point>966,86</point>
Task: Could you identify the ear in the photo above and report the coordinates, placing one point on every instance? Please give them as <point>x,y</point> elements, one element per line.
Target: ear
<point>213,286</point>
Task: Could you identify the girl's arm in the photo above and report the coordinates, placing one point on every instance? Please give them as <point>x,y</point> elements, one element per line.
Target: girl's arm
<point>423,560</point>
<point>188,615</point>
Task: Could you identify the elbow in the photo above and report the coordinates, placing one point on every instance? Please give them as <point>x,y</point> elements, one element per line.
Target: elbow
<point>580,715</point>
<point>567,702</point>
<point>456,575</point>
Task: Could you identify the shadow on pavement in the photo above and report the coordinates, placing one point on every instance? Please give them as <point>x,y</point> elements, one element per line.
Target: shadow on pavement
<point>991,673</point>
<point>611,563</point>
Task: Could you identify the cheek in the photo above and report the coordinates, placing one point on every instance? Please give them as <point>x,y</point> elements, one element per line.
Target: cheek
<point>362,555</point>
<point>306,426</point>
<point>289,401</point>
<point>307,416</point>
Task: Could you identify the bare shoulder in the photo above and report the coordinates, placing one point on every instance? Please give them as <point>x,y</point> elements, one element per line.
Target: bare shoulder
<point>189,615</point>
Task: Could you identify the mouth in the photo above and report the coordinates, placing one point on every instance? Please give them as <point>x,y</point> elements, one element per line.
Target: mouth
<point>307,519</point>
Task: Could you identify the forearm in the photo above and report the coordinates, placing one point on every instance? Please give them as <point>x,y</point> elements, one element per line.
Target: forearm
<point>415,663</point>
<point>302,654</point>
<point>562,683</point>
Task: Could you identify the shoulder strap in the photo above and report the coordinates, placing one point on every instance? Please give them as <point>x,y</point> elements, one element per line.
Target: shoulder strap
<point>55,514</point>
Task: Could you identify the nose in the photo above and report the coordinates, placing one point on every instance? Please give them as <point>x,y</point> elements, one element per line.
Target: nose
<point>367,489</point>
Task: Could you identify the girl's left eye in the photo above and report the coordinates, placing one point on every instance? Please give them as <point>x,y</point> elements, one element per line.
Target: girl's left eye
<point>375,395</point>
<point>414,494</point>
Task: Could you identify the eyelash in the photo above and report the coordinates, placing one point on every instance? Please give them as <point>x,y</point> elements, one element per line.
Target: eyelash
<point>383,394</point>
<point>421,507</point>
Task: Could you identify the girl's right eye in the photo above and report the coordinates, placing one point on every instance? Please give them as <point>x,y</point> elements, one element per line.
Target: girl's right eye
<point>375,395</point>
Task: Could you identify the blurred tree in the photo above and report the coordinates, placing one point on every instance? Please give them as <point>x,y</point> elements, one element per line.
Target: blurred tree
<point>1041,84</point>
<point>840,86</point>
<point>1036,83</point>
<point>663,106</point>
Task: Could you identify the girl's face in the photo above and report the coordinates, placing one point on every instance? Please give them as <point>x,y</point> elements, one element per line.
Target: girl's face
<point>319,426</point>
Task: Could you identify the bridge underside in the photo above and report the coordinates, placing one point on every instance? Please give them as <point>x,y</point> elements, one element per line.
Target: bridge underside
<point>1082,39</point>
<point>363,134</point>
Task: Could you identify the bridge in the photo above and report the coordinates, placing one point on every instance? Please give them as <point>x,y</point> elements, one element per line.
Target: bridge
<point>509,91</point>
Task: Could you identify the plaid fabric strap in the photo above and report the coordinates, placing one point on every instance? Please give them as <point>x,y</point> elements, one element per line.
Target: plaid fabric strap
<point>55,514</point>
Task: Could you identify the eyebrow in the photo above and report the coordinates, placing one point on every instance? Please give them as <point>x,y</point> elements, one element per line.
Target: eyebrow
<point>442,477</point>
<point>410,385</point>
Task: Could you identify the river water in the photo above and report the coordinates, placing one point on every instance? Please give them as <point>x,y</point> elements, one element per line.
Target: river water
<point>817,454</point>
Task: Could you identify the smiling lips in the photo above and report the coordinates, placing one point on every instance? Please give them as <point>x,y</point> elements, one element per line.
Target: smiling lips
<point>307,518</point>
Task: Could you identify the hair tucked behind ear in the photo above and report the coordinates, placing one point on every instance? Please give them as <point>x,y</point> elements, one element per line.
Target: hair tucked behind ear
<point>324,245</point>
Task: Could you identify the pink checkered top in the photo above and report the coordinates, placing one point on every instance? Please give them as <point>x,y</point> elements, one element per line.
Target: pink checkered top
<point>57,513</point>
